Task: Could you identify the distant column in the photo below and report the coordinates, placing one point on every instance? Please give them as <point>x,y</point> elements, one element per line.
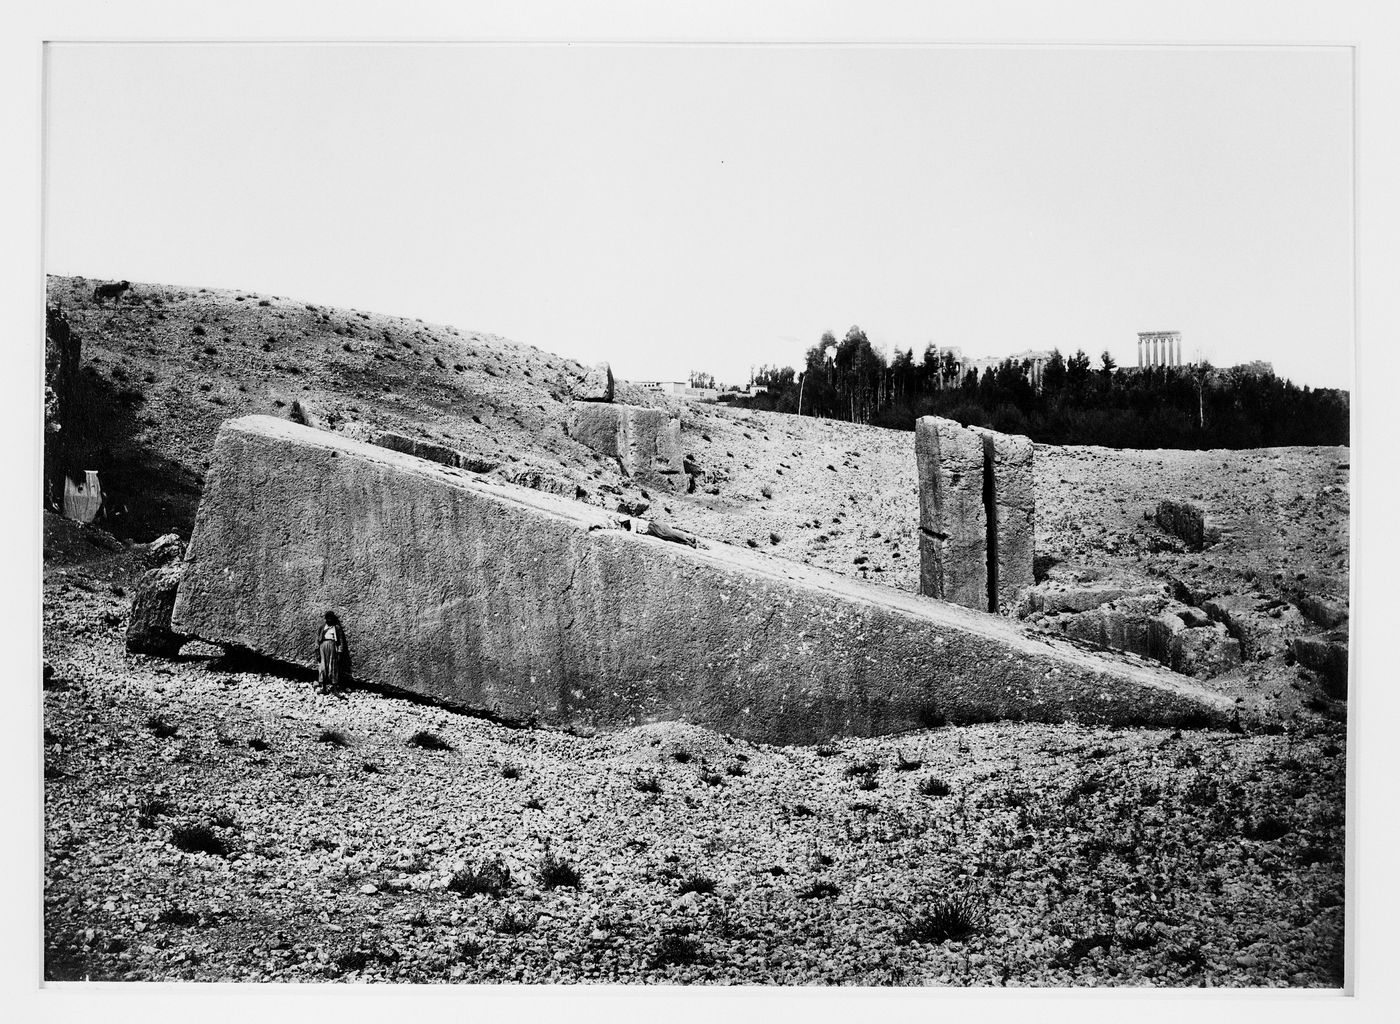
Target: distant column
<point>1139,351</point>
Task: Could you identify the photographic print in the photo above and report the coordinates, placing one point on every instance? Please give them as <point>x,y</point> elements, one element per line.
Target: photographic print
<point>767,515</point>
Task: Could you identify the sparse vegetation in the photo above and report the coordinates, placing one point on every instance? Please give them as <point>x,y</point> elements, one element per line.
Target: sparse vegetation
<point>196,838</point>
<point>696,883</point>
<point>333,738</point>
<point>676,950</point>
<point>934,786</point>
<point>491,878</point>
<point>161,729</point>
<point>555,872</point>
<point>947,919</point>
<point>424,740</point>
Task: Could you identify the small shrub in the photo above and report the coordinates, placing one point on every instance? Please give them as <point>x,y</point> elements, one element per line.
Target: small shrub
<point>712,778</point>
<point>161,729</point>
<point>820,891</point>
<point>907,766</point>
<point>697,883</point>
<point>946,920</point>
<point>510,772</point>
<point>934,786</point>
<point>195,838</point>
<point>533,804</point>
<point>178,916</point>
<point>556,872</point>
<point>258,743</point>
<point>682,756</point>
<point>827,751</point>
<point>424,740</point>
<point>491,878</point>
<point>224,819</point>
<point>149,809</point>
<point>862,768</point>
<point>868,784</point>
<point>736,770</point>
<point>199,331</point>
<point>677,950</point>
<point>370,768</point>
<point>510,924</point>
<point>333,738</point>
<point>648,784</point>
<point>264,302</point>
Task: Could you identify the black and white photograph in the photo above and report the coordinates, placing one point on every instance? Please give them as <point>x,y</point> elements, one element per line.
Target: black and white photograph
<point>765,514</point>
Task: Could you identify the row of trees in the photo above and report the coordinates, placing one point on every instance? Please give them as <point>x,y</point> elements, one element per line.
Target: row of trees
<point>1078,400</point>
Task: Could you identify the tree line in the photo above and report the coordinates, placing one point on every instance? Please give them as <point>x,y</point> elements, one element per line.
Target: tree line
<point>1079,401</point>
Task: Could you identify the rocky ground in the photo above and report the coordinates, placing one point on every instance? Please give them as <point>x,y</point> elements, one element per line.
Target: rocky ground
<point>1058,855</point>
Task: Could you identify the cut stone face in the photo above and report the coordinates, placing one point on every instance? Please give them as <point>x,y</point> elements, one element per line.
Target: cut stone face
<point>1010,460</point>
<point>645,442</point>
<point>952,514</point>
<point>496,598</point>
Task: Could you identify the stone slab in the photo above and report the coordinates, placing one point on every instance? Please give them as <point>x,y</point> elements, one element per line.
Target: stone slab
<point>952,517</point>
<point>530,607</point>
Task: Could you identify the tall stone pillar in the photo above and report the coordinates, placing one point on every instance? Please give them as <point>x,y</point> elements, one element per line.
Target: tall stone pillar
<point>1009,498</point>
<point>1139,351</point>
<point>950,460</point>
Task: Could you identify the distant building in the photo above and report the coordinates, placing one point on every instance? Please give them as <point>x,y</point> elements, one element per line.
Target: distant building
<point>1159,348</point>
<point>1037,358</point>
<point>678,388</point>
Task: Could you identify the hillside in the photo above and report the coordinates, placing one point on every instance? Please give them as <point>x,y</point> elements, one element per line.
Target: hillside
<point>1075,855</point>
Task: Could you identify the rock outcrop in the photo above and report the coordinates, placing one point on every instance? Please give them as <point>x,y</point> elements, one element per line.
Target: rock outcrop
<point>645,442</point>
<point>495,598</point>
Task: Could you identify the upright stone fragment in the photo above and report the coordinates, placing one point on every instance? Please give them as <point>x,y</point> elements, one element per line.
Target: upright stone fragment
<point>1010,504</point>
<point>1184,520</point>
<point>148,631</point>
<point>645,442</point>
<point>952,517</point>
<point>597,384</point>
<point>528,606</point>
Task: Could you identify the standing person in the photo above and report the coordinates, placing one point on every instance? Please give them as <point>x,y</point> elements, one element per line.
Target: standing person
<point>334,655</point>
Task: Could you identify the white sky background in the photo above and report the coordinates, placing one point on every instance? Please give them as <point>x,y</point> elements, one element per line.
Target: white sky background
<point>718,207</point>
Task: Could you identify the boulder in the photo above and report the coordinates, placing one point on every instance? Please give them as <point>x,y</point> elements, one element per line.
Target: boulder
<point>165,549</point>
<point>149,629</point>
<point>501,599</point>
<point>1205,651</point>
<point>1327,655</point>
<point>952,517</point>
<point>432,451</point>
<point>597,384</point>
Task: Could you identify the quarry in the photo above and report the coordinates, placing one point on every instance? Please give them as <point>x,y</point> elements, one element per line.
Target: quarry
<point>757,678</point>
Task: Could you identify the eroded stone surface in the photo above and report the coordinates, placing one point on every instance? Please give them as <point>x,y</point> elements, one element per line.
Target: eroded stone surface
<point>952,516</point>
<point>645,442</point>
<point>149,631</point>
<point>514,602</point>
<point>1184,520</point>
<point>597,384</point>
<point>1011,460</point>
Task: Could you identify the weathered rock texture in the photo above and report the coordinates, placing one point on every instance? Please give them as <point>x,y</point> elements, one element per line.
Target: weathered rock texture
<point>952,513</point>
<point>1326,655</point>
<point>1184,520</point>
<point>1009,484</point>
<point>597,384</point>
<point>148,631</point>
<point>497,598</point>
<point>976,514</point>
<point>432,451</point>
<point>645,442</point>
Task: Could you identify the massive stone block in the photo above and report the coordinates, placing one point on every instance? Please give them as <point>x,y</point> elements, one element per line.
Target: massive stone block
<point>1010,493</point>
<point>645,442</point>
<point>952,514</point>
<point>496,598</point>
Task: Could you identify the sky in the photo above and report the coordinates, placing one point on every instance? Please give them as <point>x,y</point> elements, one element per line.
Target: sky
<point>678,208</point>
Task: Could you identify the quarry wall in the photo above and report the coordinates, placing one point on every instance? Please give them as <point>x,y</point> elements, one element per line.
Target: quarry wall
<point>528,606</point>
